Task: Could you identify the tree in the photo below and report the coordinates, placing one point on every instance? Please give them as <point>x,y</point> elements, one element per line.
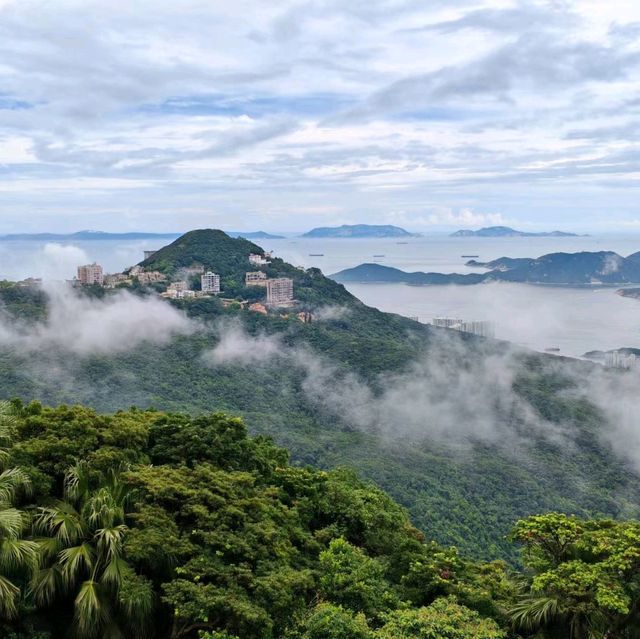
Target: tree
<point>84,557</point>
<point>352,579</point>
<point>334,622</point>
<point>443,619</point>
<point>17,555</point>
<point>585,577</point>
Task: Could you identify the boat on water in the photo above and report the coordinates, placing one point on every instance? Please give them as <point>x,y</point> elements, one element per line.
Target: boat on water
<point>469,256</point>
<point>552,349</point>
<point>378,256</point>
<point>316,254</point>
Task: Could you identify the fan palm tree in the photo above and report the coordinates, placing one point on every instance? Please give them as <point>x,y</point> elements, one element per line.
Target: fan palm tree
<point>553,618</point>
<point>83,549</point>
<point>16,555</point>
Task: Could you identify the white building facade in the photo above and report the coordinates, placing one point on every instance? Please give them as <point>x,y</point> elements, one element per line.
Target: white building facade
<point>210,283</point>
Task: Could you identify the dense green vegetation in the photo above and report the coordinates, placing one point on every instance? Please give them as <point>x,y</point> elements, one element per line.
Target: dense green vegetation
<point>148,524</point>
<point>469,500</point>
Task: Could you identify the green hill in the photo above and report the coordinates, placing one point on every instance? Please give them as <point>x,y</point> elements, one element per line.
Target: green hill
<point>357,387</point>
<point>601,267</point>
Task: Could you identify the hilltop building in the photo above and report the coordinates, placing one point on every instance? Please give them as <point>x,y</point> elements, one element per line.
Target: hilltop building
<point>178,286</point>
<point>255,278</point>
<point>134,271</point>
<point>114,279</point>
<point>210,283</point>
<point>259,260</point>
<point>90,274</point>
<point>279,291</point>
<point>151,277</point>
<point>481,328</point>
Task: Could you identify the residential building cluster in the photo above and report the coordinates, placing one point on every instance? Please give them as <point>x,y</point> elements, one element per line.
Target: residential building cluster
<point>476,327</point>
<point>278,290</point>
<point>620,359</point>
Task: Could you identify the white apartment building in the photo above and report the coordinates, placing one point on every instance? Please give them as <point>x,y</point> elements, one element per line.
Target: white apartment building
<point>617,359</point>
<point>476,327</point>
<point>90,274</point>
<point>255,278</point>
<point>279,290</point>
<point>210,283</point>
<point>259,260</point>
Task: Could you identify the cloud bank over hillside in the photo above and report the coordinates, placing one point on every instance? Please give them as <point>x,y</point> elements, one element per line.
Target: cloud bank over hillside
<point>453,394</point>
<point>85,326</point>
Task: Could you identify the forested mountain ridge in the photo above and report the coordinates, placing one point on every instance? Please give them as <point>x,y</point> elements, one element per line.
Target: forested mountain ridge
<point>405,406</point>
<point>601,267</point>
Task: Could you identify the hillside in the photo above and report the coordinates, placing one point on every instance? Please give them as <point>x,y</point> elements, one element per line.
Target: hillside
<point>358,231</point>
<point>602,267</point>
<point>413,408</point>
<point>506,231</point>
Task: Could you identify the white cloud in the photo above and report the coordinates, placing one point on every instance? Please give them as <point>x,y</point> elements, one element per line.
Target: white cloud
<point>367,107</point>
<point>84,326</point>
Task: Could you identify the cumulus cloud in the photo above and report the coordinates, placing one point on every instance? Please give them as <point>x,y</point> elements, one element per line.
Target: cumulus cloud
<point>366,107</point>
<point>84,326</point>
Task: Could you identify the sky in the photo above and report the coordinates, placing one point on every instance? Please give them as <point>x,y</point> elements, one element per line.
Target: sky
<point>281,116</point>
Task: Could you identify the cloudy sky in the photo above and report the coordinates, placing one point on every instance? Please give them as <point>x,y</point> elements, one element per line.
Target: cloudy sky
<point>430,114</point>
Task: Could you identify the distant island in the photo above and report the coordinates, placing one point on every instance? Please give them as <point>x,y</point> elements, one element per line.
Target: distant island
<point>584,268</point>
<point>88,235</point>
<point>358,231</point>
<point>133,235</point>
<point>254,235</point>
<point>506,231</point>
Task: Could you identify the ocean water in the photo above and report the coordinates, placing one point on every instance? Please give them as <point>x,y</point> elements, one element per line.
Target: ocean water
<point>575,320</point>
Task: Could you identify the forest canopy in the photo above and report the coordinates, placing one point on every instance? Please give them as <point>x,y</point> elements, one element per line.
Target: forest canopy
<point>150,524</point>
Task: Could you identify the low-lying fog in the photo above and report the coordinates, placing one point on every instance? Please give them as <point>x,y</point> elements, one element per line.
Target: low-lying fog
<point>575,320</point>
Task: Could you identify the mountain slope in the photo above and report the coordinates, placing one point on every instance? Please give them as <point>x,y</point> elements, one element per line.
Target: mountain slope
<point>412,407</point>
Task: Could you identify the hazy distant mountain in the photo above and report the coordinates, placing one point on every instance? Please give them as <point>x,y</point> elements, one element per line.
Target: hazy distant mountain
<point>359,231</point>
<point>254,235</point>
<point>603,267</point>
<point>505,231</point>
<point>378,273</point>
<point>88,235</point>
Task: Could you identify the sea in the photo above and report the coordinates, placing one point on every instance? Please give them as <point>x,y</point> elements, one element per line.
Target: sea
<point>567,320</point>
